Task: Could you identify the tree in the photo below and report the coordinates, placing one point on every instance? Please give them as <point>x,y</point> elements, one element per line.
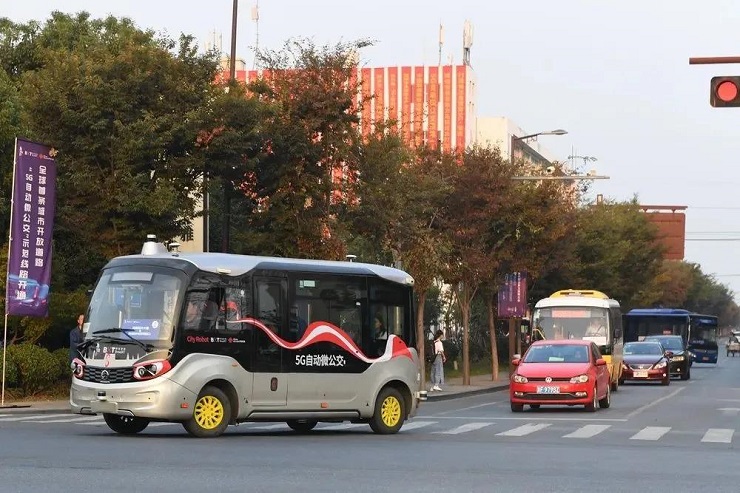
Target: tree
<point>122,106</point>
<point>481,187</point>
<point>617,251</point>
<point>229,146</point>
<point>311,150</point>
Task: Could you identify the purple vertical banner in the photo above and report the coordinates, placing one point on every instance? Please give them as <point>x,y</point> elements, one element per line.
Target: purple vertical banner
<point>31,226</point>
<point>512,295</point>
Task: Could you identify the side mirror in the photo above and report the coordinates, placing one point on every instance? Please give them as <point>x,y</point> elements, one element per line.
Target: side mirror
<point>515,361</point>
<point>601,362</point>
<point>669,354</point>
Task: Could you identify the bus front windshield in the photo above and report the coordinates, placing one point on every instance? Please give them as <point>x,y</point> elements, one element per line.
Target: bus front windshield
<point>587,323</point>
<point>138,301</point>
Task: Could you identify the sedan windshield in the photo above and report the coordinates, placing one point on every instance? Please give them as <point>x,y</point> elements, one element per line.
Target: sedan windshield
<point>557,353</point>
<point>640,349</point>
<point>673,343</point>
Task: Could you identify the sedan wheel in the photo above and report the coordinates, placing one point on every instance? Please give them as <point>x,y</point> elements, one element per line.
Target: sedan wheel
<point>594,402</point>
<point>607,400</point>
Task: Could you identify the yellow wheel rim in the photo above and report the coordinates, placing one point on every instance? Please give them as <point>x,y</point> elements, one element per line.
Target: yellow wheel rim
<point>208,412</point>
<point>390,411</point>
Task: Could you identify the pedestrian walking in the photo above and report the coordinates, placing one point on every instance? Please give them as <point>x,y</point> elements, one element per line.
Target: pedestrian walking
<point>438,370</point>
<point>76,337</point>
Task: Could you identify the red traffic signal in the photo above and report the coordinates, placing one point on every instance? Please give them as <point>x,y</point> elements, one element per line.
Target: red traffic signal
<point>725,91</point>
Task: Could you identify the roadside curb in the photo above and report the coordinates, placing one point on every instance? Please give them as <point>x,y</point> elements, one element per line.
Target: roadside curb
<point>434,396</point>
<point>34,408</point>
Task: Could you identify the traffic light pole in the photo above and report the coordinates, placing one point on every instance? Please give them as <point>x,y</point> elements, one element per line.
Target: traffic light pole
<point>711,60</point>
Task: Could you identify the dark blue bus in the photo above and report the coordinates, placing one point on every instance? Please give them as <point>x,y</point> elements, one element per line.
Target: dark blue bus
<point>699,332</point>
<point>703,338</point>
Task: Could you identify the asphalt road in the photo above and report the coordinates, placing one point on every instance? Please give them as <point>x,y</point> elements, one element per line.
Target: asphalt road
<point>653,438</point>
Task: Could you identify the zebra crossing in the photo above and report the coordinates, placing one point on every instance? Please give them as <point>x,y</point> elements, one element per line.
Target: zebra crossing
<point>504,430</point>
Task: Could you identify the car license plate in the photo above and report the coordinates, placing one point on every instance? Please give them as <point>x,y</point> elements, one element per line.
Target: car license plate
<point>641,373</point>
<point>548,390</point>
<point>706,358</point>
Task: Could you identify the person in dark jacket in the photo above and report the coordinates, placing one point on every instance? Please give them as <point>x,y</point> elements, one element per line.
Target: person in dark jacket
<point>76,336</point>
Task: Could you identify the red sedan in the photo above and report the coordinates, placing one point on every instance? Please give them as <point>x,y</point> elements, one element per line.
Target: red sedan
<point>570,372</point>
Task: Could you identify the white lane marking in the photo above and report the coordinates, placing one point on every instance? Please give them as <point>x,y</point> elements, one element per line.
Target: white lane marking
<point>466,428</point>
<point>269,427</point>
<point>587,431</point>
<point>523,430</point>
<point>414,425</point>
<point>718,435</point>
<point>654,403</point>
<point>344,426</point>
<point>70,420</point>
<point>34,417</point>
<point>651,433</point>
<point>492,403</point>
<point>549,418</point>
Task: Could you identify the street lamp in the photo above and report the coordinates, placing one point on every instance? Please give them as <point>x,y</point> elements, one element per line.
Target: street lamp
<point>515,139</point>
<point>514,328</point>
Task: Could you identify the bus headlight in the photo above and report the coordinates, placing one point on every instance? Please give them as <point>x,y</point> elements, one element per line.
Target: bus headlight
<point>520,379</point>
<point>579,379</point>
<point>78,368</point>
<point>151,369</point>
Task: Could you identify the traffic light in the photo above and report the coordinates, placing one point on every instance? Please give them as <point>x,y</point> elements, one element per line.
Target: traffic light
<point>725,91</point>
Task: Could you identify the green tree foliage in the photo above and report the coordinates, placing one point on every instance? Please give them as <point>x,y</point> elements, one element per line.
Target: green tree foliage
<point>123,107</point>
<point>617,251</point>
<point>311,150</point>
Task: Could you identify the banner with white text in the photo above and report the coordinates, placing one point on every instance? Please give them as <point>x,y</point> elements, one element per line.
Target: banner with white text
<point>31,226</point>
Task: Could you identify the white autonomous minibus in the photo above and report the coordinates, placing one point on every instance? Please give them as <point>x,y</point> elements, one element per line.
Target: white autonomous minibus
<point>212,339</point>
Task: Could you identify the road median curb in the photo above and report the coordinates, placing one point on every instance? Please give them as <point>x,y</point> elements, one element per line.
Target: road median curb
<point>442,396</point>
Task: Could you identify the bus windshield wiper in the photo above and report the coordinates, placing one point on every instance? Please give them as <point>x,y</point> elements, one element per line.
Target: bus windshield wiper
<point>116,330</point>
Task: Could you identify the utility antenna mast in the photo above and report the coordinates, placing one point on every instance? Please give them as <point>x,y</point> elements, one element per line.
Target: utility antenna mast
<point>467,41</point>
<point>256,19</point>
<point>441,41</point>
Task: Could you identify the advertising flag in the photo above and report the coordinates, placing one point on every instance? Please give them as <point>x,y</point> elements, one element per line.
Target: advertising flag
<point>512,296</point>
<point>31,226</point>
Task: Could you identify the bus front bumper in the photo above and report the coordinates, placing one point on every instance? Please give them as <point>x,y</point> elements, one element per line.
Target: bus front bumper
<point>157,399</point>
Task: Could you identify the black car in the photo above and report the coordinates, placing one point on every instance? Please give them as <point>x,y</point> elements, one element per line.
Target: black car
<point>681,360</point>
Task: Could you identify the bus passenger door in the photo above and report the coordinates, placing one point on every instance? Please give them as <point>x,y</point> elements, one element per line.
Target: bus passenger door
<point>270,386</point>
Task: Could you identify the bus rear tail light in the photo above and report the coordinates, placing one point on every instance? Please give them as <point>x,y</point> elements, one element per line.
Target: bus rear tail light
<point>78,368</point>
<point>151,369</point>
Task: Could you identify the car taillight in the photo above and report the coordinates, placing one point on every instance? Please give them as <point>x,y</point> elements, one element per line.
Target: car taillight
<point>78,368</point>
<point>151,369</point>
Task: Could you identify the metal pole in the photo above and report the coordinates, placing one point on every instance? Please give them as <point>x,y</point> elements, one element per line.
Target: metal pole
<point>233,40</point>
<point>5,345</point>
<point>710,60</point>
<point>512,343</point>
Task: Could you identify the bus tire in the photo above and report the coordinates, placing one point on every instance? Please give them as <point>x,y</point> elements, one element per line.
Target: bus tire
<point>125,425</point>
<point>301,425</point>
<point>390,411</point>
<point>211,414</point>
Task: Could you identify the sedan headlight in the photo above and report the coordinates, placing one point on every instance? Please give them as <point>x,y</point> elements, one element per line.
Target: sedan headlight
<point>677,358</point>
<point>520,379</point>
<point>579,379</point>
<point>660,364</point>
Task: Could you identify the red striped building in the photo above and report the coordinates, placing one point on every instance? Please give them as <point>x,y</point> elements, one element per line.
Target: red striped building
<point>434,105</point>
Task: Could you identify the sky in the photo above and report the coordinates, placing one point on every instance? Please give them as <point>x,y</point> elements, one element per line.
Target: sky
<point>615,75</point>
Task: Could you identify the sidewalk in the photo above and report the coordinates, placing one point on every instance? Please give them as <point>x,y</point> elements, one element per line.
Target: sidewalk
<point>35,407</point>
<point>479,384</point>
<point>452,389</point>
